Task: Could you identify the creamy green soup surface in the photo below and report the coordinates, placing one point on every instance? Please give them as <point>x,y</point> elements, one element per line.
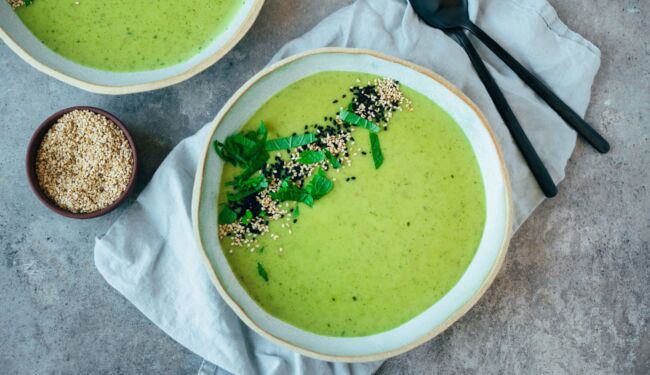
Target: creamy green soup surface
<point>385,244</point>
<point>121,35</point>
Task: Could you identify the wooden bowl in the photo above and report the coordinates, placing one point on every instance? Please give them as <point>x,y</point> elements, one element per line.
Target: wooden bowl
<point>30,164</point>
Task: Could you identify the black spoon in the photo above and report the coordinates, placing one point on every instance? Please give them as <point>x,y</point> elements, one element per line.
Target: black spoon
<point>435,13</point>
<point>453,14</point>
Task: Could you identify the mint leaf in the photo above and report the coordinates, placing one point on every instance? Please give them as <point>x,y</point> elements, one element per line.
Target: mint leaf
<point>290,142</point>
<point>248,187</point>
<point>227,215</point>
<point>242,149</point>
<point>254,165</point>
<point>262,272</point>
<point>311,157</point>
<point>377,155</point>
<point>261,131</point>
<point>334,161</point>
<point>319,185</point>
<point>245,142</point>
<point>359,121</point>
<point>247,217</point>
<point>293,193</point>
<point>308,200</point>
<point>252,182</point>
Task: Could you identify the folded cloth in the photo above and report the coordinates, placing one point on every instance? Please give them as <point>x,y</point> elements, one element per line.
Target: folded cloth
<point>149,255</point>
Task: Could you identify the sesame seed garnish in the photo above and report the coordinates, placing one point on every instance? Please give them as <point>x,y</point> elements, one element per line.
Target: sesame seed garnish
<point>376,101</point>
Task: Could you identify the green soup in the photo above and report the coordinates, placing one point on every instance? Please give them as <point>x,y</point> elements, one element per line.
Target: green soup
<point>121,35</point>
<point>386,243</point>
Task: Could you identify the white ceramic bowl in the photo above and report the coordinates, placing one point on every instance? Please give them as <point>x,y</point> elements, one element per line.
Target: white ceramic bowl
<point>439,316</point>
<point>14,33</point>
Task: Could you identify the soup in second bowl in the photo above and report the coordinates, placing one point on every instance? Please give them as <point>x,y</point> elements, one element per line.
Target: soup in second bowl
<point>121,35</point>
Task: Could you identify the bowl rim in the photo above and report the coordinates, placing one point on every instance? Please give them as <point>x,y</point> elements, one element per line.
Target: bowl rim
<point>244,27</point>
<point>239,311</point>
<point>30,161</point>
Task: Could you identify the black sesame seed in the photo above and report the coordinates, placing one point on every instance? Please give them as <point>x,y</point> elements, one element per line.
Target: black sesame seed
<point>335,101</point>
<point>295,221</point>
<point>354,178</point>
<point>364,153</point>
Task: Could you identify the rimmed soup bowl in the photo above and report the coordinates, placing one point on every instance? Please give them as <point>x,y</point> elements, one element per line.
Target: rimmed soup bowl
<point>426,325</point>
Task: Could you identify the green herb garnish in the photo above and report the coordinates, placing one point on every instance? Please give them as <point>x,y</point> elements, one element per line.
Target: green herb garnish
<point>248,187</point>
<point>290,192</point>
<point>290,142</point>
<point>295,213</point>
<point>311,157</point>
<point>242,148</point>
<point>257,163</point>
<point>319,185</point>
<point>357,120</point>
<point>227,215</point>
<point>247,217</point>
<point>262,272</point>
<point>251,182</point>
<point>377,155</point>
<point>333,160</point>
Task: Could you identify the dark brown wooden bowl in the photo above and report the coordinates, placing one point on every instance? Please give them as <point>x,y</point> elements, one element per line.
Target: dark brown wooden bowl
<point>30,163</point>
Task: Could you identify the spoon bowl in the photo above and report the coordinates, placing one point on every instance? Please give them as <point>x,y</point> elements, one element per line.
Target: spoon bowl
<point>452,16</point>
<point>443,14</point>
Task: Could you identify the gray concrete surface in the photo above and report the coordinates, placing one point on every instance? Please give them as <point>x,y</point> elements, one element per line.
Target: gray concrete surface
<point>573,296</point>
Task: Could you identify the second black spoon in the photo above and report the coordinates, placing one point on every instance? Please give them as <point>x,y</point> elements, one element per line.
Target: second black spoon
<point>453,14</point>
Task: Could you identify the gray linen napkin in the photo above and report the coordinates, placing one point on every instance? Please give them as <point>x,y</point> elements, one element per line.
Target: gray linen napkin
<point>149,255</point>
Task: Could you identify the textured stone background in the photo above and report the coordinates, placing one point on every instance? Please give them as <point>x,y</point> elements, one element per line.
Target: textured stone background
<point>573,296</point>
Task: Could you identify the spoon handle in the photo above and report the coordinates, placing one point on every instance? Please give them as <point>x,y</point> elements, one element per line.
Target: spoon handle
<point>527,150</point>
<point>559,106</point>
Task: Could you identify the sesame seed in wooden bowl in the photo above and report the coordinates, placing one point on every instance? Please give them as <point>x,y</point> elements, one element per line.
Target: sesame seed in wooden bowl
<point>82,162</point>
